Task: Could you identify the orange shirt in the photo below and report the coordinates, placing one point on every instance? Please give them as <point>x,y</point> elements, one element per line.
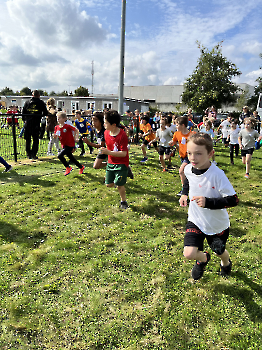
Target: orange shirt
<point>145,129</point>
<point>182,140</point>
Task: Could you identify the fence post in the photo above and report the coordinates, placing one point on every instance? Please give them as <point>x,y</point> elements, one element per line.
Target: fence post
<point>14,137</point>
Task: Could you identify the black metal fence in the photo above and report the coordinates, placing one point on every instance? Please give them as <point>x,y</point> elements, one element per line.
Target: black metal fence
<point>12,142</point>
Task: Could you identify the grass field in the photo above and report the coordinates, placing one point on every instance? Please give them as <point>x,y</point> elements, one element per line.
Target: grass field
<point>79,273</point>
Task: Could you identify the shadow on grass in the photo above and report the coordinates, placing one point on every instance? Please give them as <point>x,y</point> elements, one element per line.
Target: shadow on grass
<point>11,233</point>
<point>237,232</point>
<point>159,207</point>
<point>244,295</point>
<point>23,179</point>
<point>251,204</point>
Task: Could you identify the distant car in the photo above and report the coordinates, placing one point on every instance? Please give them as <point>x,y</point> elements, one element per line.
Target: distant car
<point>219,118</point>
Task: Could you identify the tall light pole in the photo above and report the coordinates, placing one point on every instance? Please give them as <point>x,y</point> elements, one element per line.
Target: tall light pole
<point>122,59</point>
<point>92,73</point>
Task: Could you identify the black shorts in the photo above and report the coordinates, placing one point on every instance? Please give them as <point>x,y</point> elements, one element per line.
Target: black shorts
<point>145,142</point>
<point>194,237</point>
<point>164,150</point>
<point>101,156</point>
<point>244,152</point>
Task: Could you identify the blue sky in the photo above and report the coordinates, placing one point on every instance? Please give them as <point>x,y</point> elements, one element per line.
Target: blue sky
<point>50,44</point>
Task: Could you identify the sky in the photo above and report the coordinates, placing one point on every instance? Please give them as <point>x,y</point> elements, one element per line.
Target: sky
<point>51,44</point>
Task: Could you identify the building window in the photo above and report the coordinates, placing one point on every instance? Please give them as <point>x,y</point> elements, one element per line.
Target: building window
<point>107,105</point>
<point>74,105</point>
<point>60,104</point>
<point>91,105</point>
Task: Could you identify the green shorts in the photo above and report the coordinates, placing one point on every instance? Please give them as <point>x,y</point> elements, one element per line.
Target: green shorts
<point>116,173</point>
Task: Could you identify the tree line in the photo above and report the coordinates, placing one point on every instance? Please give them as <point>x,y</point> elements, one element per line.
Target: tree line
<point>26,91</point>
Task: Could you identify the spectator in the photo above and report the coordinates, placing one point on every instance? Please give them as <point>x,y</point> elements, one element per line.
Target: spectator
<point>33,111</point>
<point>50,128</point>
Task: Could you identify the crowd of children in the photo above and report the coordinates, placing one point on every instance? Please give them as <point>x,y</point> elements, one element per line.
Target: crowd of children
<point>203,183</point>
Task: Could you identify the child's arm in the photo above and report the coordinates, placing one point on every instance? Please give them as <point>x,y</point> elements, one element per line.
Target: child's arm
<point>239,142</point>
<point>155,140</point>
<point>95,145</point>
<point>104,150</point>
<point>76,135</point>
<point>216,203</point>
<point>184,196</point>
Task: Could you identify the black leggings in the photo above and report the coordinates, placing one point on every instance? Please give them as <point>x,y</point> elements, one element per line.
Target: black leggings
<point>67,151</point>
<point>232,146</point>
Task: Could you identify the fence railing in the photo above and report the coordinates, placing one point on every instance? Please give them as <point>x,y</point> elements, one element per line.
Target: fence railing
<point>12,142</point>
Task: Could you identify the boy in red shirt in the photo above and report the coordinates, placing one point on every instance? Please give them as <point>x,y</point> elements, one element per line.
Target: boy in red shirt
<point>180,137</point>
<point>65,133</point>
<point>117,151</point>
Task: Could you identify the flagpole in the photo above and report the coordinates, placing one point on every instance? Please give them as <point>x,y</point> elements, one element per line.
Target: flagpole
<point>122,59</point>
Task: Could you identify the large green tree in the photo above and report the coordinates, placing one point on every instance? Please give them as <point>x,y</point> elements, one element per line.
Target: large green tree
<point>81,91</point>
<point>25,91</point>
<point>7,92</point>
<point>211,82</point>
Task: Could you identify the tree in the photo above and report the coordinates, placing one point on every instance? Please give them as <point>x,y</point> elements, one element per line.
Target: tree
<point>242,100</point>
<point>7,92</point>
<point>81,91</point>
<point>210,84</point>
<point>52,93</point>
<point>26,92</point>
<point>63,93</point>
<point>252,102</point>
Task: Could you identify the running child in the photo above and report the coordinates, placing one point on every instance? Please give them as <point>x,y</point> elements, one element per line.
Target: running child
<point>180,137</point>
<point>66,134</point>
<point>233,140</point>
<point>207,129</point>
<point>147,133</point>
<point>210,193</point>
<point>225,127</point>
<point>84,128</point>
<point>98,124</point>
<point>164,136</point>
<point>117,151</point>
<point>246,140</point>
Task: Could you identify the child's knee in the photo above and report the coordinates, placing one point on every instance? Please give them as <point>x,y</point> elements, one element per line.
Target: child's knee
<point>189,253</point>
<point>110,185</point>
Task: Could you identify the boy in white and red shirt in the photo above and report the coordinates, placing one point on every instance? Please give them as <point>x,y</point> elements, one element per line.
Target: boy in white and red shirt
<point>117,151</point>
<point>65,133</point>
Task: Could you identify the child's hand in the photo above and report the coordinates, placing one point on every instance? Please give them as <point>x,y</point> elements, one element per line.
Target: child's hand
<point>183,201</point>
<point>200,201</point>
<point>103,150</point>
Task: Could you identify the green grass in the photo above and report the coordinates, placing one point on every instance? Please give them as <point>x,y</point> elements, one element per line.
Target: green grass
<point>78,273</point>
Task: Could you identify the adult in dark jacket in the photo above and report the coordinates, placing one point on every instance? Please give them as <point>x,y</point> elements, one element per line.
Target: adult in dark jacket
<point>33,110</point>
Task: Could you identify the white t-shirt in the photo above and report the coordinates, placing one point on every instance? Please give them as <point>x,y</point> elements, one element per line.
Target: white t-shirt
<point>234,133</point>
<point>172,128</point>
<point>164,137</point>
<point>225,127</point>
<point>212,184</point>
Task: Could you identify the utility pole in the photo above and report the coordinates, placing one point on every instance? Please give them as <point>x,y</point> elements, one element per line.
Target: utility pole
<point>122,59</point>
<point>92,73</point>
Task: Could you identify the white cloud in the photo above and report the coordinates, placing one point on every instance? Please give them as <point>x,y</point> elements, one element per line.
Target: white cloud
<point>50,44</point>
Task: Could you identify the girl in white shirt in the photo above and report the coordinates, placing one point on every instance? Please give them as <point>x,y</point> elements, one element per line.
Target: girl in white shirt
<point>233,140</point>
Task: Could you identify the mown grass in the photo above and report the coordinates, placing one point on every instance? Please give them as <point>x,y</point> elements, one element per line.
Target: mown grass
<point>79,273</point>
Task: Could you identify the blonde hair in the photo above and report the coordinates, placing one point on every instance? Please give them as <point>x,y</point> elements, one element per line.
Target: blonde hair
<point>62,115</point>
